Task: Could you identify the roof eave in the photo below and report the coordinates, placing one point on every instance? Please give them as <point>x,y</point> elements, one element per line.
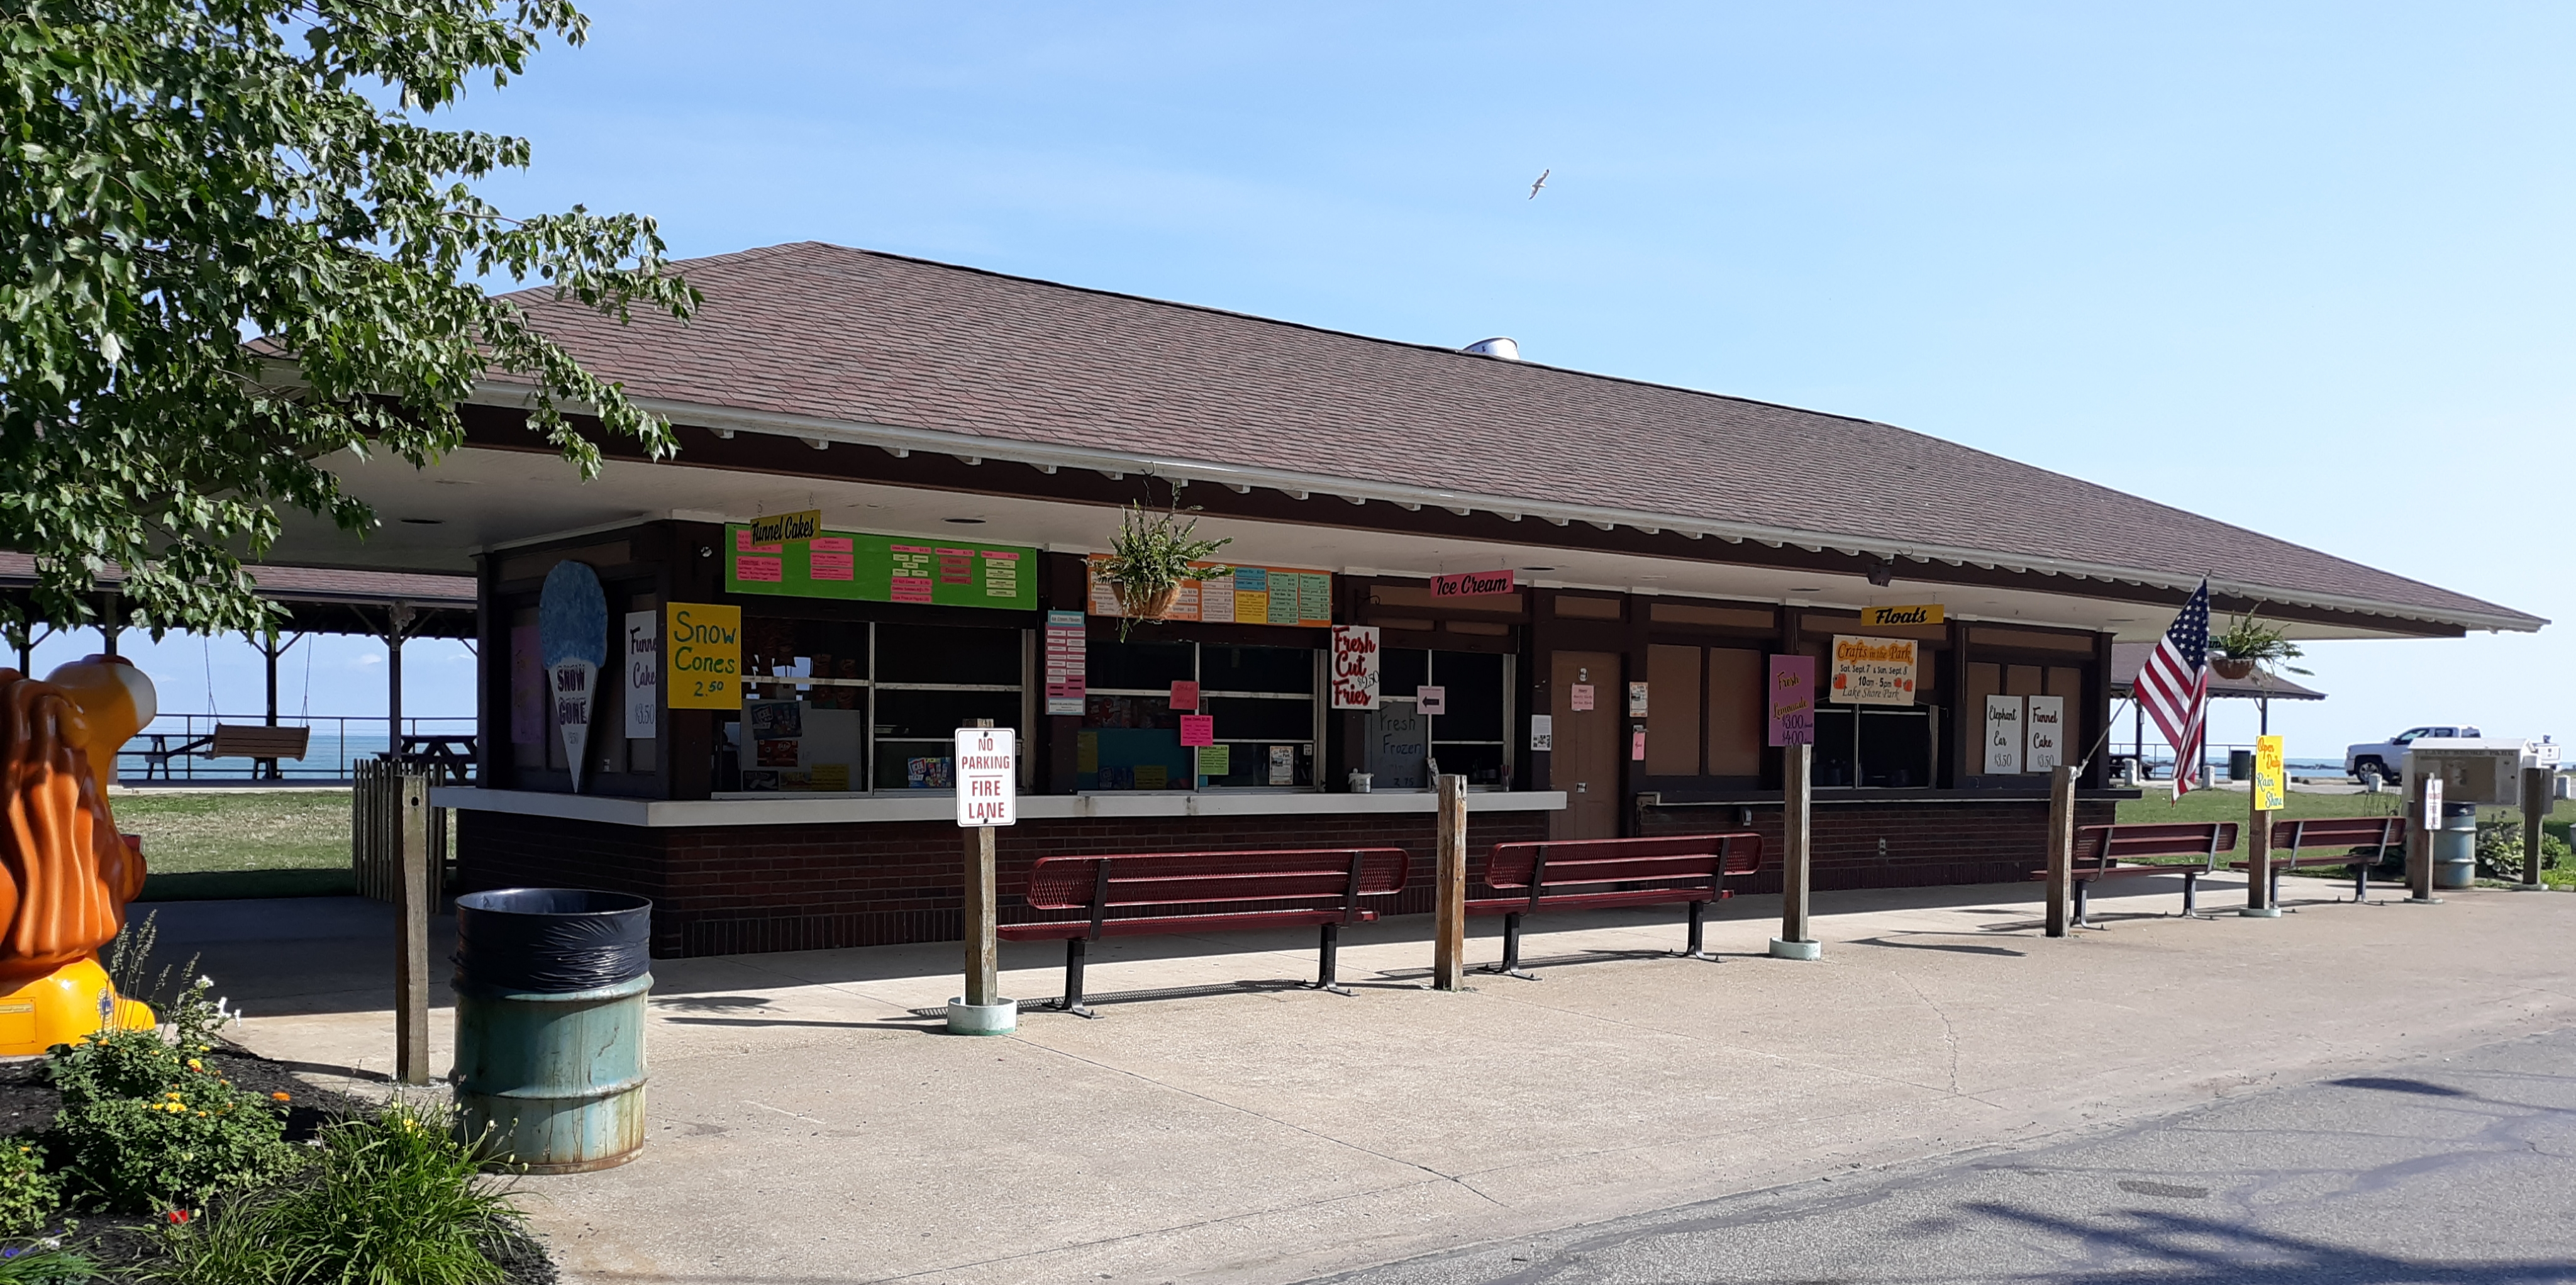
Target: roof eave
<point>899,441</point>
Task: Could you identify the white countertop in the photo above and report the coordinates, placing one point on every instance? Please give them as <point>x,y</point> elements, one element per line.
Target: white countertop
<point>788,809</point>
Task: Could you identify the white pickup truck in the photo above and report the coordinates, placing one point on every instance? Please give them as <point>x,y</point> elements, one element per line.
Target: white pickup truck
<point>2382,761</point>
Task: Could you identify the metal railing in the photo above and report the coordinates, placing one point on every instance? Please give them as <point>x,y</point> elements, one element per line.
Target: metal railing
<point>338,743</point>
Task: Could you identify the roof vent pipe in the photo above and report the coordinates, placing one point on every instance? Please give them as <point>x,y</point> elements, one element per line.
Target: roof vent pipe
<point>1497,346</point>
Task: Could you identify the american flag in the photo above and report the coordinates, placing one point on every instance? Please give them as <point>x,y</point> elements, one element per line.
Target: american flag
<point>2173,687</point>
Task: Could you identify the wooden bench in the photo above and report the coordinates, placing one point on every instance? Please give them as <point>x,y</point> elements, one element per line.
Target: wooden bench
<point>2100,850</point>
<point>1577,874</point>
<point>229,741</point>
<point>2378,834</point>
<point>1138,894</point>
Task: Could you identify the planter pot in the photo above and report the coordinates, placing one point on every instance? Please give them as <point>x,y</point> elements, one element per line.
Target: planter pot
<point>1154,606</point>
<point>2230,668</point>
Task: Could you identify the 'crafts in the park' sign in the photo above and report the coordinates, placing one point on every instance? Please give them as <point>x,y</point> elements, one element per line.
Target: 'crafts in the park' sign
<point>1243,596</point>
<point>704,665</point>
<point>883,568</point>
<point>1873,671</point>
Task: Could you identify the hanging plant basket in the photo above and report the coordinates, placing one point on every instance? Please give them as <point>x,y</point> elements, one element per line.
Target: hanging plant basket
<point>2231,668</point>
<point>1149,606</point>
<point>1152,554</point>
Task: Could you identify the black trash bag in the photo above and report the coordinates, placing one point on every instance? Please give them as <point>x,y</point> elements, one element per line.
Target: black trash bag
<point>551,940</point>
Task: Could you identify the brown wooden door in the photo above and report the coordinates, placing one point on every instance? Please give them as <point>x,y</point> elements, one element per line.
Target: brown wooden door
<point>1585,761</point>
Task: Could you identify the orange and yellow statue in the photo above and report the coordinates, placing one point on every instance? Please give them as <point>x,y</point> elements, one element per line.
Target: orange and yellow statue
<point>65,873</point>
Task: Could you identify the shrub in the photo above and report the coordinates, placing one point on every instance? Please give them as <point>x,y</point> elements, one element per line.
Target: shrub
<point>146,1126</point>
<point>394,1199</point>
<point>45,1265</point>
<point>28,1195</point>
<point>2500,850</point>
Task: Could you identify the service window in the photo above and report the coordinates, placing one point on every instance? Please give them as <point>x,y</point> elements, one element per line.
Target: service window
<point>1261,700</point>
<point>1407,747</point>
<point>840,706</point>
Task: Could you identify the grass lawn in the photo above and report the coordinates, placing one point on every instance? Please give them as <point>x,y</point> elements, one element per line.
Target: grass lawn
<point>2229,805</point>
<point>239,843</point>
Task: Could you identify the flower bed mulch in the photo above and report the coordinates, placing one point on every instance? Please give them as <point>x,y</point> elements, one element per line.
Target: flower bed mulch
<point>28,1104</point>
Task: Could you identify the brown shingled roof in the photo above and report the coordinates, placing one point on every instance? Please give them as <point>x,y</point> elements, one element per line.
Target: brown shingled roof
<point>859,337</point>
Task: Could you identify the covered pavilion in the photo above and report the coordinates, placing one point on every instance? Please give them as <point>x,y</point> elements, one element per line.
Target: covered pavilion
<point>969,440</point>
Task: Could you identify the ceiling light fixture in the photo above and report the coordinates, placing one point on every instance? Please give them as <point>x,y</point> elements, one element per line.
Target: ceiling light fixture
<point>424,521</point>
<point>1538,568</point>
<point>965,521</point>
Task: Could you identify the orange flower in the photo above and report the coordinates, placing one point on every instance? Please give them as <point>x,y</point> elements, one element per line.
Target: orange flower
<point>280,1097</point>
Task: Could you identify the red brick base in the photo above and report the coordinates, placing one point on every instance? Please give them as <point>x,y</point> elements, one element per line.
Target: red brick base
<point>734,890</point>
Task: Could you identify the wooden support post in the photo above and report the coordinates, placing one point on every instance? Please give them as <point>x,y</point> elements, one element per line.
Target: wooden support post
<point>2258,853</point>
<point>2535,806</point>
<point>1449,888</point>
<point>2061,848</point>
<point>413,900</point>
<point>983,951</point>
<point>2419,839</point>
<point>1797,771</point>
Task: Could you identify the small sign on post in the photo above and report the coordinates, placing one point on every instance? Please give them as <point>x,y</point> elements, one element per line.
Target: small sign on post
<point>987,796</point>
<point>987,777</point>
<point>2270,794</point>
<point>1793,701</point>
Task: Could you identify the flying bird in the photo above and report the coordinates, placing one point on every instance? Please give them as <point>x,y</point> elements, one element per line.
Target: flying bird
<point>1542,182</point>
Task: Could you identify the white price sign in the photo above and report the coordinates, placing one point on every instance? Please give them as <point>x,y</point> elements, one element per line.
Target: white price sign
<point>987,777</point>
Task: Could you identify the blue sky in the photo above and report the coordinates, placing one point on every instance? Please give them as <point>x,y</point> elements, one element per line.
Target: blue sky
<point>2304,268</point>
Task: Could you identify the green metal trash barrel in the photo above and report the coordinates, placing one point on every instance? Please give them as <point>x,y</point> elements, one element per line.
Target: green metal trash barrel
<point>550,990</point>
<point>2455,846</point>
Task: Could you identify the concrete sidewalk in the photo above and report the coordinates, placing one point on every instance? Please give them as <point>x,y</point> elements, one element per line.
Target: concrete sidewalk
<point>811,1124</point>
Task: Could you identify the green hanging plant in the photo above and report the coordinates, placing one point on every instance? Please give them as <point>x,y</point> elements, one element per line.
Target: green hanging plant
<point>1152,554</point>
<point>2250,642</point>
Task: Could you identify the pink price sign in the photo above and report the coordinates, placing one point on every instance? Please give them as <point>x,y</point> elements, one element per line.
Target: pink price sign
<point>1197,730</point>
<point>1792,700</point>
<point>1471,584</point>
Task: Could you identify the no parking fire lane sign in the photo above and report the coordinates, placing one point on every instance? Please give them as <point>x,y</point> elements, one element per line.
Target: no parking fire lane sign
<point>987,776</point>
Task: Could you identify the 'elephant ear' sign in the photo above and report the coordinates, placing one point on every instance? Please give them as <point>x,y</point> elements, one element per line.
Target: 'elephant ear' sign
<point>572,632</point>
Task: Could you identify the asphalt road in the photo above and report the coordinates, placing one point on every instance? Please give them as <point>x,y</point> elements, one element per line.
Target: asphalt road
<point>2460,1171</point>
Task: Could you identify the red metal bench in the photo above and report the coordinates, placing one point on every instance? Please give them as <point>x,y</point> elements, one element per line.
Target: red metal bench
<point>1138,894</point>
<point>2348,833</point>
<point>2099,850</point>
<point>1573,874</point>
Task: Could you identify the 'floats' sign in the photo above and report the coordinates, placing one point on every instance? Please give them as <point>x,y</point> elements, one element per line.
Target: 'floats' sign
<point>987,777</point>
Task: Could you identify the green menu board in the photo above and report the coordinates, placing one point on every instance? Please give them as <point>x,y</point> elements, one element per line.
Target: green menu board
<point>884,568</point>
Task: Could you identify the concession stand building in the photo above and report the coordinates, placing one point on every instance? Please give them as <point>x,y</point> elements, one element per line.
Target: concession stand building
<point>1564,586</point>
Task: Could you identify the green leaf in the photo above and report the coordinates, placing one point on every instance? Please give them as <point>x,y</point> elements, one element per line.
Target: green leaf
<point>189,171</point>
